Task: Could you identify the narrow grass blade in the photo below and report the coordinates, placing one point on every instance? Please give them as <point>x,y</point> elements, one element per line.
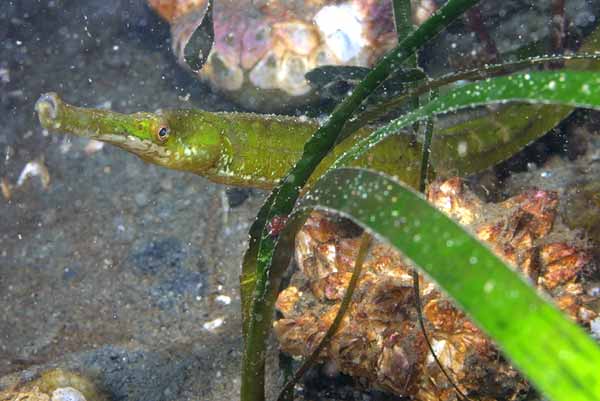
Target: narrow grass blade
<point>365,243</point>
<point>260,291</point>
<point>476,74</point>
<point>564,88</point>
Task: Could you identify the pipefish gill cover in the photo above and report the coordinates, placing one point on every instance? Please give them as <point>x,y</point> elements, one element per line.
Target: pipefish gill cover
<point>123,269</point>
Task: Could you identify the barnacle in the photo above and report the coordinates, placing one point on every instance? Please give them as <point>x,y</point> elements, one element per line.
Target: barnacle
<point>380,340</point>
<point>271,45</point>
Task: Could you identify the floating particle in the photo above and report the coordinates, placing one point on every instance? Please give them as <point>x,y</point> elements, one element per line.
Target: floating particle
<point>35,168</point>
<point>6,188</point>
<point>223,299</point>
<point>93,147</point>
<point>213,324</point>
<point>4,75</point>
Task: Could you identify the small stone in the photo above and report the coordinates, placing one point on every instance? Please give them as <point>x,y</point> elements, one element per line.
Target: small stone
<point>67,394</point>
<point>141,199</point>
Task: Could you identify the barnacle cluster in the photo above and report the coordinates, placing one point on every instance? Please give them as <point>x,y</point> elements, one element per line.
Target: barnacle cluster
<point>380,342</point>
<point>271,45</point>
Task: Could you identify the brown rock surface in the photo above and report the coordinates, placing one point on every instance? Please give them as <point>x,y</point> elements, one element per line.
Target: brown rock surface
<point>380,340</point>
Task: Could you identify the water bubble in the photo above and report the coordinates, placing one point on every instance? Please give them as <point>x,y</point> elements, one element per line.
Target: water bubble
<point>462,148</point>
<point>473,260</point>
<point>585,89</point>
<point>488,287</point>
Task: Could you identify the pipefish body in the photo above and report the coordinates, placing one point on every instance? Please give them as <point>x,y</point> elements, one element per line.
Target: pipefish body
<point>255,150</point>
<point>242,149</point>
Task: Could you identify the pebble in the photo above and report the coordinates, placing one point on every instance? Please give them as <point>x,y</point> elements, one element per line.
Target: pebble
<point>67,394</point>
<point>141,199</point>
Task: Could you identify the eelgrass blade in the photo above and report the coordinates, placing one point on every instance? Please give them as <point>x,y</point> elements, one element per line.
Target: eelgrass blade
<point>476,74</point>
<point>365,243</point>
<point>586,59</point>
<point>563,88</point>
<point>422,187</point>
<point>259,292</point>
<point>553,352</point>
<point>402,18</point>
<point>403,22</point>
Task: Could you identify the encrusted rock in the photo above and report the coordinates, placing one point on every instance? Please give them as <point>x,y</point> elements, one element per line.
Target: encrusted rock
<point>380,340</point>
<point>263,49</point>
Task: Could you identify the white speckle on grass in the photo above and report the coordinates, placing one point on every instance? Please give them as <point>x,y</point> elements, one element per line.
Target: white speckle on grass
<point>462,149</point>
<point>585,89</point>
<point>489,286</point>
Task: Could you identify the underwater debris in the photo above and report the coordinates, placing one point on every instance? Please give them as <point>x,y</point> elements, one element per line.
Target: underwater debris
<point>575,181</point>
<point>6,188</point>
<point>214,324</point>
<point>380,340</point>
<point>93,147</point>
<point>35,168</point>
<point>4,75</point>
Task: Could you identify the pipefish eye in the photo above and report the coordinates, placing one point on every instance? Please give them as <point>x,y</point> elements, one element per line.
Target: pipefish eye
<point>163,133</point>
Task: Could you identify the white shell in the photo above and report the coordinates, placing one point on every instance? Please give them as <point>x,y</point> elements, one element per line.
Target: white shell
<point>67,394</point>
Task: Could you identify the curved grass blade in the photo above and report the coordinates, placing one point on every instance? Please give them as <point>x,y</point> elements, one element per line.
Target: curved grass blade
<point>402,10</point>
<point>335,82</point>
<point>477,74</point>
<point>587,59</point>
<point>258,293</point>
<point>564,88</point>
<point>554,353</point>
<point>402,18</point>
<point>422,186</point>
<point>365,243</point>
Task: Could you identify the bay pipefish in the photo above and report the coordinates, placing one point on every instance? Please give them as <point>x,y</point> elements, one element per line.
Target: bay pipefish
<point>255,150</point>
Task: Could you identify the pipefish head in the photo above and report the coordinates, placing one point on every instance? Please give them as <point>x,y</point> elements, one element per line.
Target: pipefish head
<point>179,139</point>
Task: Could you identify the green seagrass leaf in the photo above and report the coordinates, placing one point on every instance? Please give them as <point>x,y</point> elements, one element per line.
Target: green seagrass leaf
<point>553,352</point>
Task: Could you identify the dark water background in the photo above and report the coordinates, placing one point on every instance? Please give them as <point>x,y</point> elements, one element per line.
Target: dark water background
<point>115,266</point>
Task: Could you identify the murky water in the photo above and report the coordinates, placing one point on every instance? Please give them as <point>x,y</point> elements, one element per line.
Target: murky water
<point>114,260</point>
<point>127,271</point>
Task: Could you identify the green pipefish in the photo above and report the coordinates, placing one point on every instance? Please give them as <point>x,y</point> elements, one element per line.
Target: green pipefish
<point>255,150</point>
